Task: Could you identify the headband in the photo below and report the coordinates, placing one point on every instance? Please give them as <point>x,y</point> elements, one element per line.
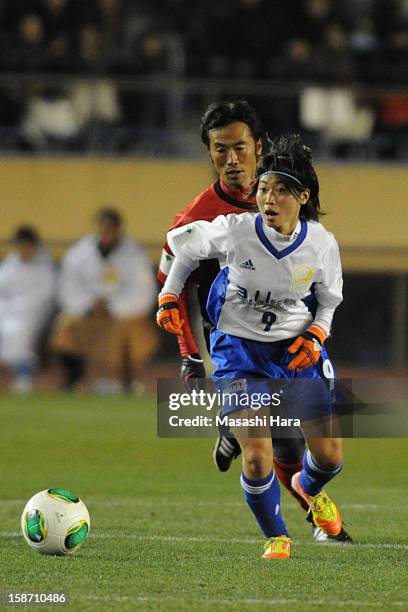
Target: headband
<point>284,174</point>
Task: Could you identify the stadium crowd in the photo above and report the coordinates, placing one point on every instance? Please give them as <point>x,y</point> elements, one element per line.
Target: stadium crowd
<point>321,42</point>
<point>321,39</point>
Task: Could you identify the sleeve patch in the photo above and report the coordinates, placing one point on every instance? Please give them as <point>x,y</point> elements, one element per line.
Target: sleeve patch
<point>166,261</point>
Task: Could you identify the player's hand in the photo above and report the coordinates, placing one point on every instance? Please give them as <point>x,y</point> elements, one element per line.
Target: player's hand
<point>307,348</point>
<point>168,314</point>
<point>192,372</point>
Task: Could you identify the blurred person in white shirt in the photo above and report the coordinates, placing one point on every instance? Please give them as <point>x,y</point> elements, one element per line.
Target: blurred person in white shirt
<point>27,299</point>
<point>107,290</point>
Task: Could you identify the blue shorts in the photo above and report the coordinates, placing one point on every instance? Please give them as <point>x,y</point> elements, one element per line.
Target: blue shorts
<point>254,366</point>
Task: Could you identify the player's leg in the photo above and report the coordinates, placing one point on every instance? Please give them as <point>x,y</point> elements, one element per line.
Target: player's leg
<point>226,447</point>
<point>314,400</point>
<point>322,462</point>
<point>262,494</point>
<point>258,478</point>
<point>288,460</point>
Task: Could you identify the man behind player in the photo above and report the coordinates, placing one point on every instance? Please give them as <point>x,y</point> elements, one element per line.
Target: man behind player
<point>234,137</point>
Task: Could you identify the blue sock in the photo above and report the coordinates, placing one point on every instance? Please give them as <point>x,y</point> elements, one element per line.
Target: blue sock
<point>313,477</point>
<point>263,497</point>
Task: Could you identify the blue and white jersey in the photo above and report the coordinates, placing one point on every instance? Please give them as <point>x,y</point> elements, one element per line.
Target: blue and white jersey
<point>270,285</point>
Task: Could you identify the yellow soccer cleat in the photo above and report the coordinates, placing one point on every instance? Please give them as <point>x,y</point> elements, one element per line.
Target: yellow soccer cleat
<point>324,511</point>
<point>277,548</point>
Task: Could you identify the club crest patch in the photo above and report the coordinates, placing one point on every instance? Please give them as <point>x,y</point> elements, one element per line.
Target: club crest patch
<point>302,276</point>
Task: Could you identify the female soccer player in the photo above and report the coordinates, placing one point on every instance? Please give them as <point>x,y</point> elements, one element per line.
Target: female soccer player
<point>272,306</point>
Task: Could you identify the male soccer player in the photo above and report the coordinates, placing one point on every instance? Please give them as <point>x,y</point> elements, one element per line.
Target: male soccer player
<point>234,137</point>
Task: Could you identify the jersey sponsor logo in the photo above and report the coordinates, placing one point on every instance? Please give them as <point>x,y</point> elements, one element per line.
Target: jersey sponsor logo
<point>238,385</point>
<point>262,300</point>
<point>247,265</point>
<point>302,275</point>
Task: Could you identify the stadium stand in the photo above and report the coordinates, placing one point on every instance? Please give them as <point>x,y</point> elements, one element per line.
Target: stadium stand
<point>117,76</point>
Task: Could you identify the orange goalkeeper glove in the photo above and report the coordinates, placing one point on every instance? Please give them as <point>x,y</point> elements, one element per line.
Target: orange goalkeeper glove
<point>308,347</point>
<point>168,315</point>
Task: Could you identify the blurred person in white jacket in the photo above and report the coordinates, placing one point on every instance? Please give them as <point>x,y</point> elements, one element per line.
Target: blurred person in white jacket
<point>107,290</point>
<point>27,299</point>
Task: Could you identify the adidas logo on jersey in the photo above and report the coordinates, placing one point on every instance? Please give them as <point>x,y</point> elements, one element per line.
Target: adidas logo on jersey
<point>247,265</point>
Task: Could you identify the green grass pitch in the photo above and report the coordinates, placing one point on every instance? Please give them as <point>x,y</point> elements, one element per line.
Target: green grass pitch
<point>170,533</point>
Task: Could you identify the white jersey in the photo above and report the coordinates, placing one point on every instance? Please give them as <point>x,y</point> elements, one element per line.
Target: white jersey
<point>271,287</point>
<point>27,288</point>
<point>124,278</point>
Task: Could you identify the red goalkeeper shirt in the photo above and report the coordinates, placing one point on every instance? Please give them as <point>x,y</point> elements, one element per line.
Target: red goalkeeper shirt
<point>218,199</point>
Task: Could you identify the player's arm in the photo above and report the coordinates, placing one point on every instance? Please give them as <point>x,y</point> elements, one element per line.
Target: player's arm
<point>198,240</point>
<point>307,347</point>
<point>168,314</point>
<point>187,343</point>
<point>192,365</point>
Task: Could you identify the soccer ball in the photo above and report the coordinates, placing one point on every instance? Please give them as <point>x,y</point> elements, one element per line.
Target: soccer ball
<point>55,522</point>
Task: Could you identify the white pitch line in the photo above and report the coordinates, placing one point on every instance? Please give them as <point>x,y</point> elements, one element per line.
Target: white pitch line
<point>196,504</point>
<point>218,504</point>
<point>205,539</point>
<point>247,601</point>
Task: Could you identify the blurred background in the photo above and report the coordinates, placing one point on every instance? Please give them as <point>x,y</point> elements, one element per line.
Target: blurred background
<point>100,102</point>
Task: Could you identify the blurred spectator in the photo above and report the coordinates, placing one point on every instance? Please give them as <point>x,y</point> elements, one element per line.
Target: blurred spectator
<point>59,22</point>
<point>94,101</point>
<point>150,49</point>
<point>245,32</point>
<point>107,291</point>
<point>332,57</point>
<point>295,62</point>
<point>27,298</point>
<point>335,114</point>
<point>112,23</point>
<point>363,38</point>
<point>50,121</point>
<point>150,53</point>
<point>313,19</point>
<point>141,17</point>
<point>12,108</point>
<point>328,61</point>
<point>26,52</point>
<point>351,12</point>
<point>92,56</point>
